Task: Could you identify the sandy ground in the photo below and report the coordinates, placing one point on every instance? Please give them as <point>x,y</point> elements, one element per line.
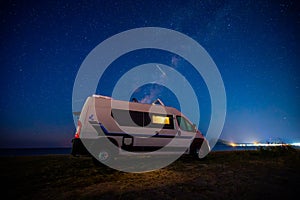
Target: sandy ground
<point>222,175</point>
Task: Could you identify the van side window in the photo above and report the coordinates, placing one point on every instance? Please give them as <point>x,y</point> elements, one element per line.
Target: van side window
<point>128,118</point>
<point>184,124</point>
<point>142,119</point>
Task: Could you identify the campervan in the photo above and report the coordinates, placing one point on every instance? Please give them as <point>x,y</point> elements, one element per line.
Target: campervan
<point>112,127</point>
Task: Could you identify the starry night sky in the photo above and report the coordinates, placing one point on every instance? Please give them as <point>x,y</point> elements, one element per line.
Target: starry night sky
<point>255,45</point>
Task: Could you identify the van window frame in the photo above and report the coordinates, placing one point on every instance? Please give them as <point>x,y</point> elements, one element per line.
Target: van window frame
<point>186,125</point>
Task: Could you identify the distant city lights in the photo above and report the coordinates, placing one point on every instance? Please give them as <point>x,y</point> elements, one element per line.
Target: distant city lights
<point>257,144</point>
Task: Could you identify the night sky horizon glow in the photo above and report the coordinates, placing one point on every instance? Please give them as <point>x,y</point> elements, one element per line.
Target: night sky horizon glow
<point>255,45</point>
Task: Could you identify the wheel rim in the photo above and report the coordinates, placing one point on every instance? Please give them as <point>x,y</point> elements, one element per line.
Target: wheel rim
<point>103,155</point>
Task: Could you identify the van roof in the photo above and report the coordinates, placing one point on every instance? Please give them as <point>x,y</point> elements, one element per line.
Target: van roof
<point>101,96</point>
<point>139,106</point>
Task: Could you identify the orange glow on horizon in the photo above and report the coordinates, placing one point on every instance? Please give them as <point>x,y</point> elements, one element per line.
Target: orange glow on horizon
<point>232,144</point>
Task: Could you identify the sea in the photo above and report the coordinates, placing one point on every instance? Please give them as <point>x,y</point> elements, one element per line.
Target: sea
<point>67,150</point>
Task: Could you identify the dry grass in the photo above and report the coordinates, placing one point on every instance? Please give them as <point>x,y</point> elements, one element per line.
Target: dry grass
<point>262,174</point>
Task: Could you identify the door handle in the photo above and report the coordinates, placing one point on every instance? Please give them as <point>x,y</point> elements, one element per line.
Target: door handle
<point>179,133</point>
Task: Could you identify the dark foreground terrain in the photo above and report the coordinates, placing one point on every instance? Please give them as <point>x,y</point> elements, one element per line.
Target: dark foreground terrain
<point>261,174</point>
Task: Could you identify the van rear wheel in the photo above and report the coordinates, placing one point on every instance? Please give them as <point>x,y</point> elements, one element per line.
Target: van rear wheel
<point>103,153</point>
<point>103,157</point>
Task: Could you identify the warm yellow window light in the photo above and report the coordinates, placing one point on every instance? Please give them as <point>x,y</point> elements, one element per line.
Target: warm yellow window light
<point>160,119</point>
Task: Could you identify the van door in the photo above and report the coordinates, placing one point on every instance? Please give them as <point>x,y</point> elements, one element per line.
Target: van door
<point>160,130</point>
<point>185,132</point>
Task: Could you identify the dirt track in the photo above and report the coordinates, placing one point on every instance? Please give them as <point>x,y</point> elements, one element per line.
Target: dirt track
<point>222,175</point>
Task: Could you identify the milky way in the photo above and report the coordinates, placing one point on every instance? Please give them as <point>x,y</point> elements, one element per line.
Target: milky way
<point>255,45</point>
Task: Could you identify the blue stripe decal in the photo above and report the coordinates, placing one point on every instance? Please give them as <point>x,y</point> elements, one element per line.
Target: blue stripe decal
<point>103,129</point>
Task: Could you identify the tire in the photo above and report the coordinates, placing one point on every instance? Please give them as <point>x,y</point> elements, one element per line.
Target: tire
<point>199,149</point>
<point>193,151</point>
<point>197,153</point>
<point>203,151</point>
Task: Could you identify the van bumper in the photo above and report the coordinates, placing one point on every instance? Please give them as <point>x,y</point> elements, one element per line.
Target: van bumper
<point>78,148</point>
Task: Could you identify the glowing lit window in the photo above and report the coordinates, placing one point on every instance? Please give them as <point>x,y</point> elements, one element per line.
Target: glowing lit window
<point>160,119</point>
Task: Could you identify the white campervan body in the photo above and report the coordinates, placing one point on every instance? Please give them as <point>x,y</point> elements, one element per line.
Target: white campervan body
<point>134,127</point>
